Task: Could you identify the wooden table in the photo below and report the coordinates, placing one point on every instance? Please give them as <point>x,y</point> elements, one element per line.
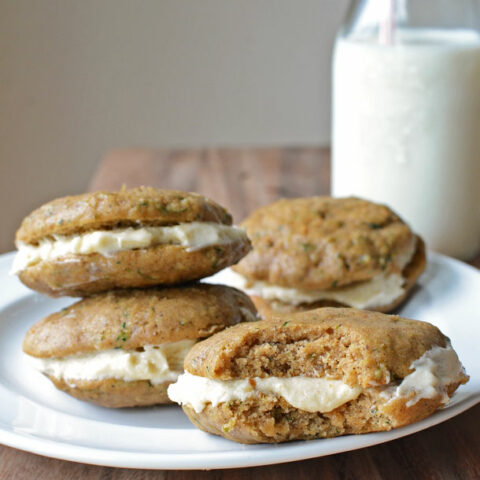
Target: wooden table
<point>243,179</point>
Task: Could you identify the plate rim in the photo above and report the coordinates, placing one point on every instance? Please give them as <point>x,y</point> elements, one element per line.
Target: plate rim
<point>197,460</point>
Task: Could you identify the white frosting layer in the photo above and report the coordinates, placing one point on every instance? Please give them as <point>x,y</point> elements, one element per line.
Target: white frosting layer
<point>158,364</point>
<point>381,290</point>
<point>192,236</point>
<point>305,393</point>
<point>432,373</point>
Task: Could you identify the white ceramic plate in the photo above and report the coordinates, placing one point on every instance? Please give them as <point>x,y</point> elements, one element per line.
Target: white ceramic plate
<point>36,417</point>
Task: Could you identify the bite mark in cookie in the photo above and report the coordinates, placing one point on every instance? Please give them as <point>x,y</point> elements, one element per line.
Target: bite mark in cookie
<point>316,374</point>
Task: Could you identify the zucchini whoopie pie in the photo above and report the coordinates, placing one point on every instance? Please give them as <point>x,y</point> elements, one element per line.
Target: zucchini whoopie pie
<point>323,251</point>
<point>94,242</point>
<point>316,374</point>
<point>123,348</point>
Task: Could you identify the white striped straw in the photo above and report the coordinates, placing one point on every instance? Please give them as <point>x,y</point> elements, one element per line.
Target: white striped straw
<point>386,35</point>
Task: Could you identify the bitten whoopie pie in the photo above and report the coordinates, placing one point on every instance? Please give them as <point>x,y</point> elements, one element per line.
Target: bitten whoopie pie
<point>323,251</point>
<point>316,374</point>
<point>94,242</point>
<point>123,348</point>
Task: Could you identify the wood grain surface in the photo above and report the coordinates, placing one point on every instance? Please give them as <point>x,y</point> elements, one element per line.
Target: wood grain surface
<point>243,179</point>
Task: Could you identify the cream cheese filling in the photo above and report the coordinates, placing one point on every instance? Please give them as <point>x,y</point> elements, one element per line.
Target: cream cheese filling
<point>156,363</point>
<point>433,372</point>
<point>192,236</point>
<point>305,393</point>
<point>380,290</point>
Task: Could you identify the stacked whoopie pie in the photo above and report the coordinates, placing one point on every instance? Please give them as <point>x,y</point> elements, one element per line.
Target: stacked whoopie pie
<point>135,255</point>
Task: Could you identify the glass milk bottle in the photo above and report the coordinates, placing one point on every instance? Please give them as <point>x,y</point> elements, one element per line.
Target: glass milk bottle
<point>406,115</point>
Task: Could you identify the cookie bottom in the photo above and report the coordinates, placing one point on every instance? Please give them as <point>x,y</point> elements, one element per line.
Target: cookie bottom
<point>269,419</point>
<point>115,393</point>
<point>411,273</point>
<point>83,275</point>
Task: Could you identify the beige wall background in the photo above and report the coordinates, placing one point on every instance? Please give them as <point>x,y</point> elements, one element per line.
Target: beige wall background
<point>80,77</point>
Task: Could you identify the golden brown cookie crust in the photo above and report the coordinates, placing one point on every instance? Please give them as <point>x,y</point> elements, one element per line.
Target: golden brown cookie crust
<point>411,273</point>
<point>360,347</point>
<point>131,319</point>
<point>82,275</point>
<point>115,393</point>
<point>270,419</point>
<point>319,242</point>
<point>105,210</point>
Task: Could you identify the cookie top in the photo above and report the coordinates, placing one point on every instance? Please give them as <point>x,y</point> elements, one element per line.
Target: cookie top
<point>324,242</point>
<point>106,210</point>
<point>131,319</point>
<point>360,347</point>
